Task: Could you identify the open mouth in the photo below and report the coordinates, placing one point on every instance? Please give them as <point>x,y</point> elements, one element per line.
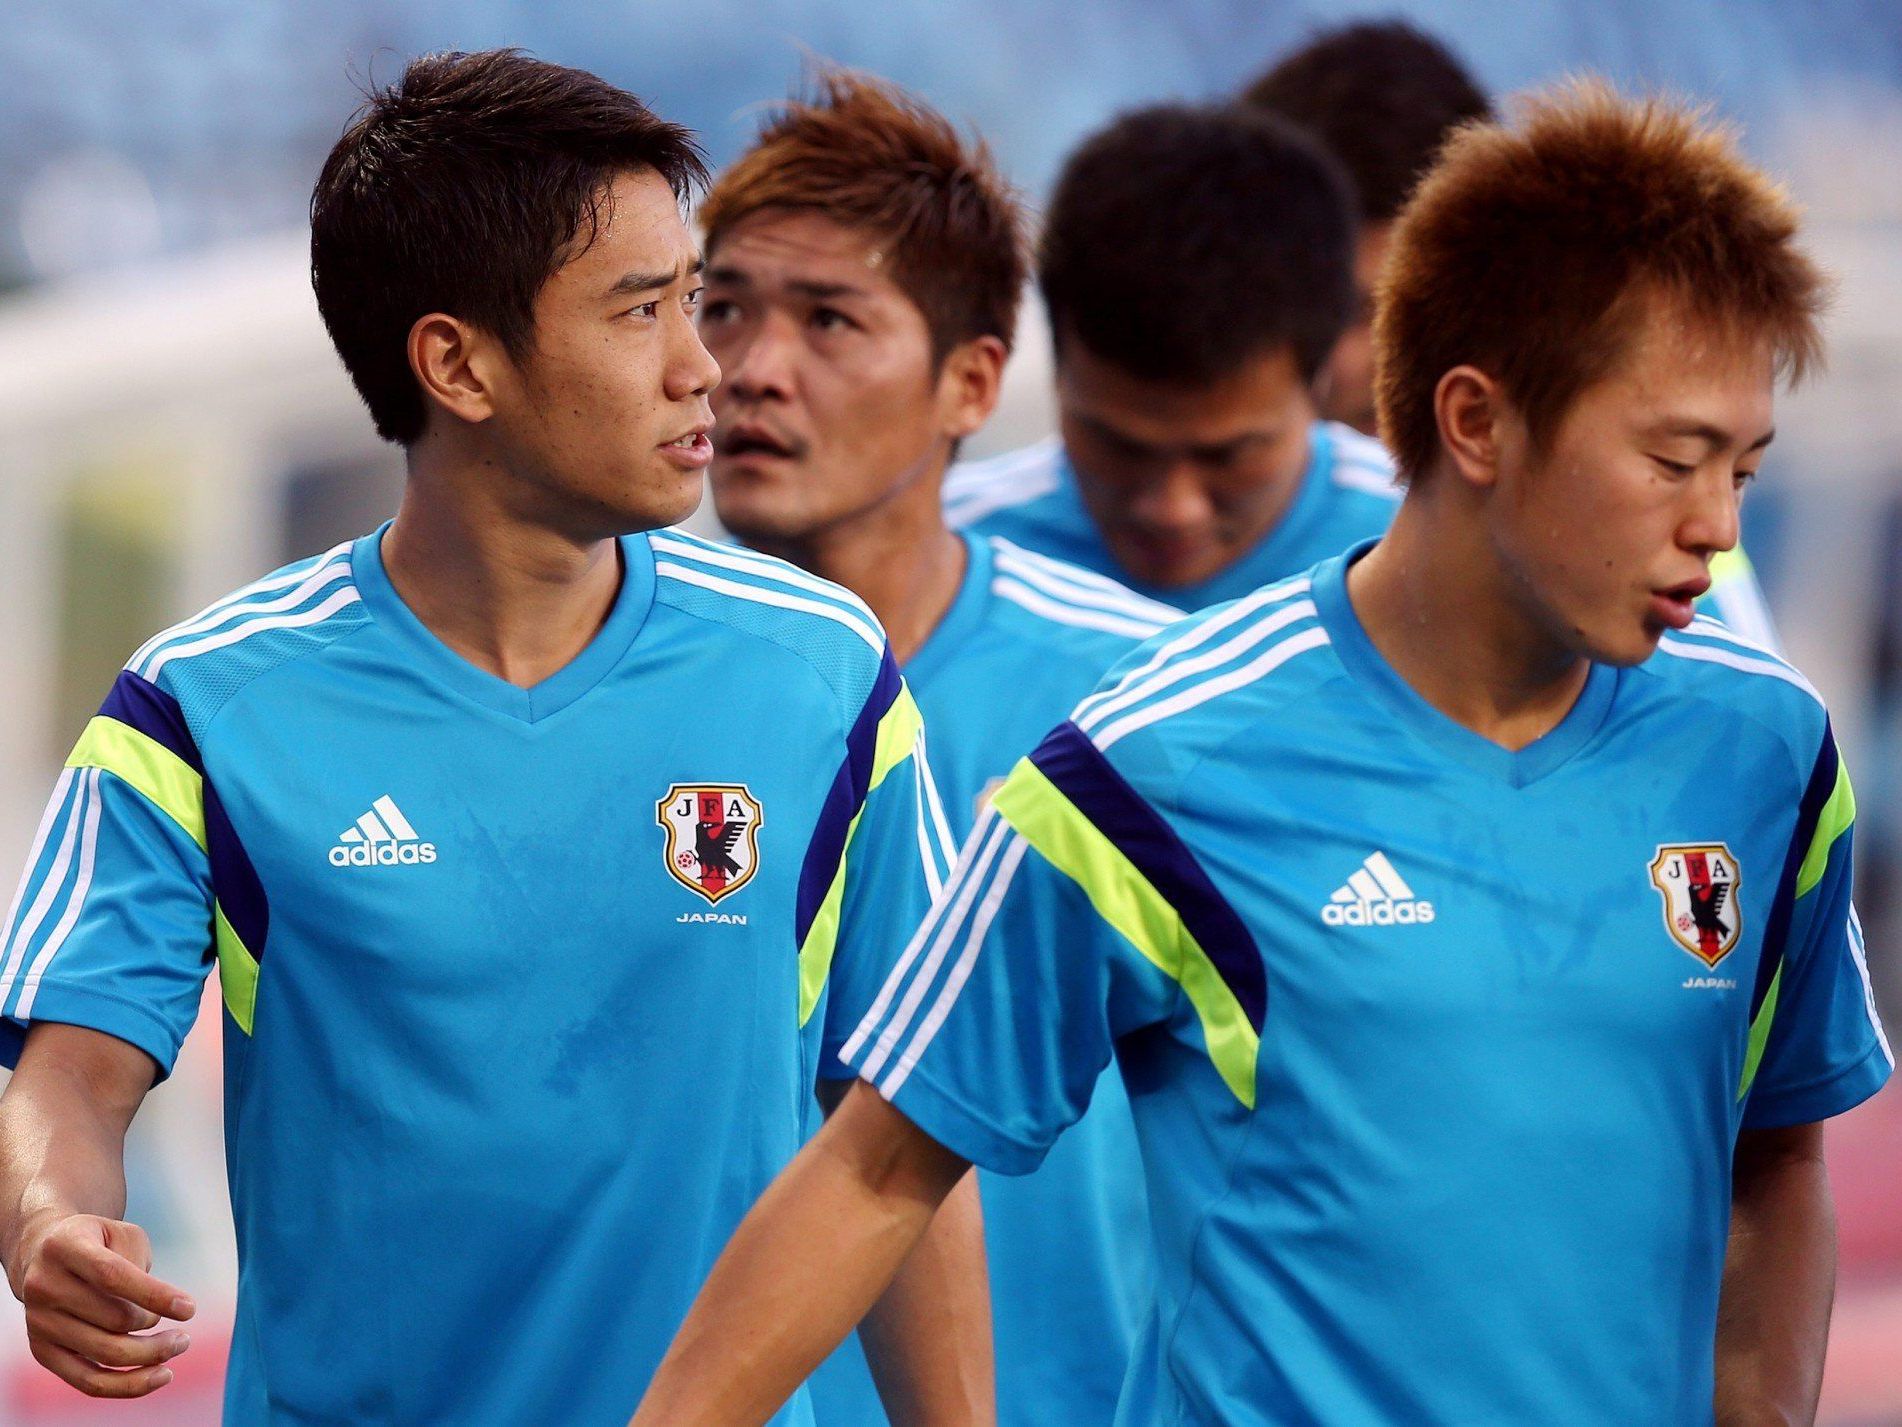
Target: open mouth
<point>756,441</point>
<point>1675,607</point>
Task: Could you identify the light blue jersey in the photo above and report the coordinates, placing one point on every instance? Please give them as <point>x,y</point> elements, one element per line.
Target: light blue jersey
<point>525,989</point>
<point>1438,1053</point>
<point>1070,1271</point>
<point>1347,494</point>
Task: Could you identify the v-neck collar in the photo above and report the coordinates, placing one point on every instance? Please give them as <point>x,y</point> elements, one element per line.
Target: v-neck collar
<point>530,705</point>
<point>964,616</point>
<point>1370,670</point>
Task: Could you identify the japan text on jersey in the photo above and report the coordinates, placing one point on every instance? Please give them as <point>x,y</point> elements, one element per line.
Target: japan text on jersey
<point>508,974</point>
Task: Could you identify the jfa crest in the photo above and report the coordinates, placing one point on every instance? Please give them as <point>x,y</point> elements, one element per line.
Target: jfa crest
<point>712,836</point>
<point>1698,881</point>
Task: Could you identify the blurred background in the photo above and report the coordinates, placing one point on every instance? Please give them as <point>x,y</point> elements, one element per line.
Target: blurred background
<point>173,421</point>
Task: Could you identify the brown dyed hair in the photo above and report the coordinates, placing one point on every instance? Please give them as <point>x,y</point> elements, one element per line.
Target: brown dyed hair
<point>1532,251</point>
<point>865,153</point>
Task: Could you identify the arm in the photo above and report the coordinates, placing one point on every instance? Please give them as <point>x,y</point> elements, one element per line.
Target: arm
<point>805,1264</point>
<point>1779,1280</point>
<point>928,1338</point>
<point>77,1267</point>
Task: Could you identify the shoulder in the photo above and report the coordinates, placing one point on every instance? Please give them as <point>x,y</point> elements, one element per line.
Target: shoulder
<point>1361,464</point>
<point>1190,689</point>
<point>1067,610</point>
<point>755,597</point>
<point>1745,681</point>
<point>202,662</point>
<point>975,490</point>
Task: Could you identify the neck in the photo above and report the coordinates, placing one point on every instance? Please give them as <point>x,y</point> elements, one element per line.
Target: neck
<point>899,557</point>
<point>513,595</point>
<point>1456,625</point>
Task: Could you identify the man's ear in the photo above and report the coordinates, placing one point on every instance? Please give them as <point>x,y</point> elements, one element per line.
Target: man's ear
<point>456,365</point>
<point>969,382</point>
<point>1470,409</point>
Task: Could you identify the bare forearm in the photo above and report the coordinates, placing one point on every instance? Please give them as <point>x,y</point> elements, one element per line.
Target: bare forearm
<point>928,1338</point>
<point>1779,1282</point>
<point>62,1148</point>
<point>805,1265</point>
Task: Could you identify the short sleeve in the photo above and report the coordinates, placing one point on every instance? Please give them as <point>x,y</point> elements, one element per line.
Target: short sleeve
<point>1074,917</point>
<point>112,925</point>
<point>1816,1044</point>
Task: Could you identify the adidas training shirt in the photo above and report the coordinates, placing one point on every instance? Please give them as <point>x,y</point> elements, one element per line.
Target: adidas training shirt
<point>1437,1053</point>
<point>525,990</point>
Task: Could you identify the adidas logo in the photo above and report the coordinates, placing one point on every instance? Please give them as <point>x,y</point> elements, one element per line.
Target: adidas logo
<point>1375,896</point>
<point>382,837</point>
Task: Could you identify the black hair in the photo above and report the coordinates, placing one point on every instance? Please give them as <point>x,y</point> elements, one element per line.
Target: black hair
<point>461,189</point>
<point>1381,96</point>
<point>1183,241</point>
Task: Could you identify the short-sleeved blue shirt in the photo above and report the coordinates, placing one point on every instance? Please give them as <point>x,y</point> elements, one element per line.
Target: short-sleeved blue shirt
<point>1437,1053</point>
<point>525,989</point>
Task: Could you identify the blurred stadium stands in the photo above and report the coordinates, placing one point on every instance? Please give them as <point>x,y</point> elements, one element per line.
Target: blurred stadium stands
<point>174,421</point>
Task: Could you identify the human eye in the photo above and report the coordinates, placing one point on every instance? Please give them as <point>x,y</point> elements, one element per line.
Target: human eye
<point>830,319</point>
<point>693,300</point>
<point>646,311</point>
<point>1679,469</point>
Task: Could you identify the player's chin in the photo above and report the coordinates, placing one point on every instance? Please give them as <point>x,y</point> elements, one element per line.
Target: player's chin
<point>754,517</point>
<point>1628,646</point>
<point>660,495</point>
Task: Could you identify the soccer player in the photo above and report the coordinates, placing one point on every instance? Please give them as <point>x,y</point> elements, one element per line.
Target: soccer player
<point>1382,96</point>
<point>528,848</point>
<point>1471,920</point>
<point>1196,265</point>
<point>864,270</point>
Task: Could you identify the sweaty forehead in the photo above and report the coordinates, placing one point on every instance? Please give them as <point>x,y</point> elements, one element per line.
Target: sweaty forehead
<point>1676,368</point>
<point>782,246</point>
<point>636,227</point>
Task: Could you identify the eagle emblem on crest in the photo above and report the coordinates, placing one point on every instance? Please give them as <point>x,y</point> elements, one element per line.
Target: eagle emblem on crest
<point>1698,882</point>
<point>712,836</point>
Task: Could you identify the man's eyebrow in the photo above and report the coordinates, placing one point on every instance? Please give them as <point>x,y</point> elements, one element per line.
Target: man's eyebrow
<point>649,282</point>
<point>822,291</point>
<point>1714,436</point>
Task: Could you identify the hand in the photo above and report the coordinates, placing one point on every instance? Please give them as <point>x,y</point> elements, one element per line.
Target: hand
<point>90,1301</point>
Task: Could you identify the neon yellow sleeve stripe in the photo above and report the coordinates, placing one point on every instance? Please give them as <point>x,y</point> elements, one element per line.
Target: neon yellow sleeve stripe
<point>1760,1034</point>
<point>897,734</point>
<point>1127,900</point>
<point>1835,820</point>
<point>822,937</point>
<point>237,972</point>
<point>170,783</point>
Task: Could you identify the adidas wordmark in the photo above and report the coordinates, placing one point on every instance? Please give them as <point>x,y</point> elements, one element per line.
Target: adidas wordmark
<point>1375,896</point>
<point>382,837</point>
